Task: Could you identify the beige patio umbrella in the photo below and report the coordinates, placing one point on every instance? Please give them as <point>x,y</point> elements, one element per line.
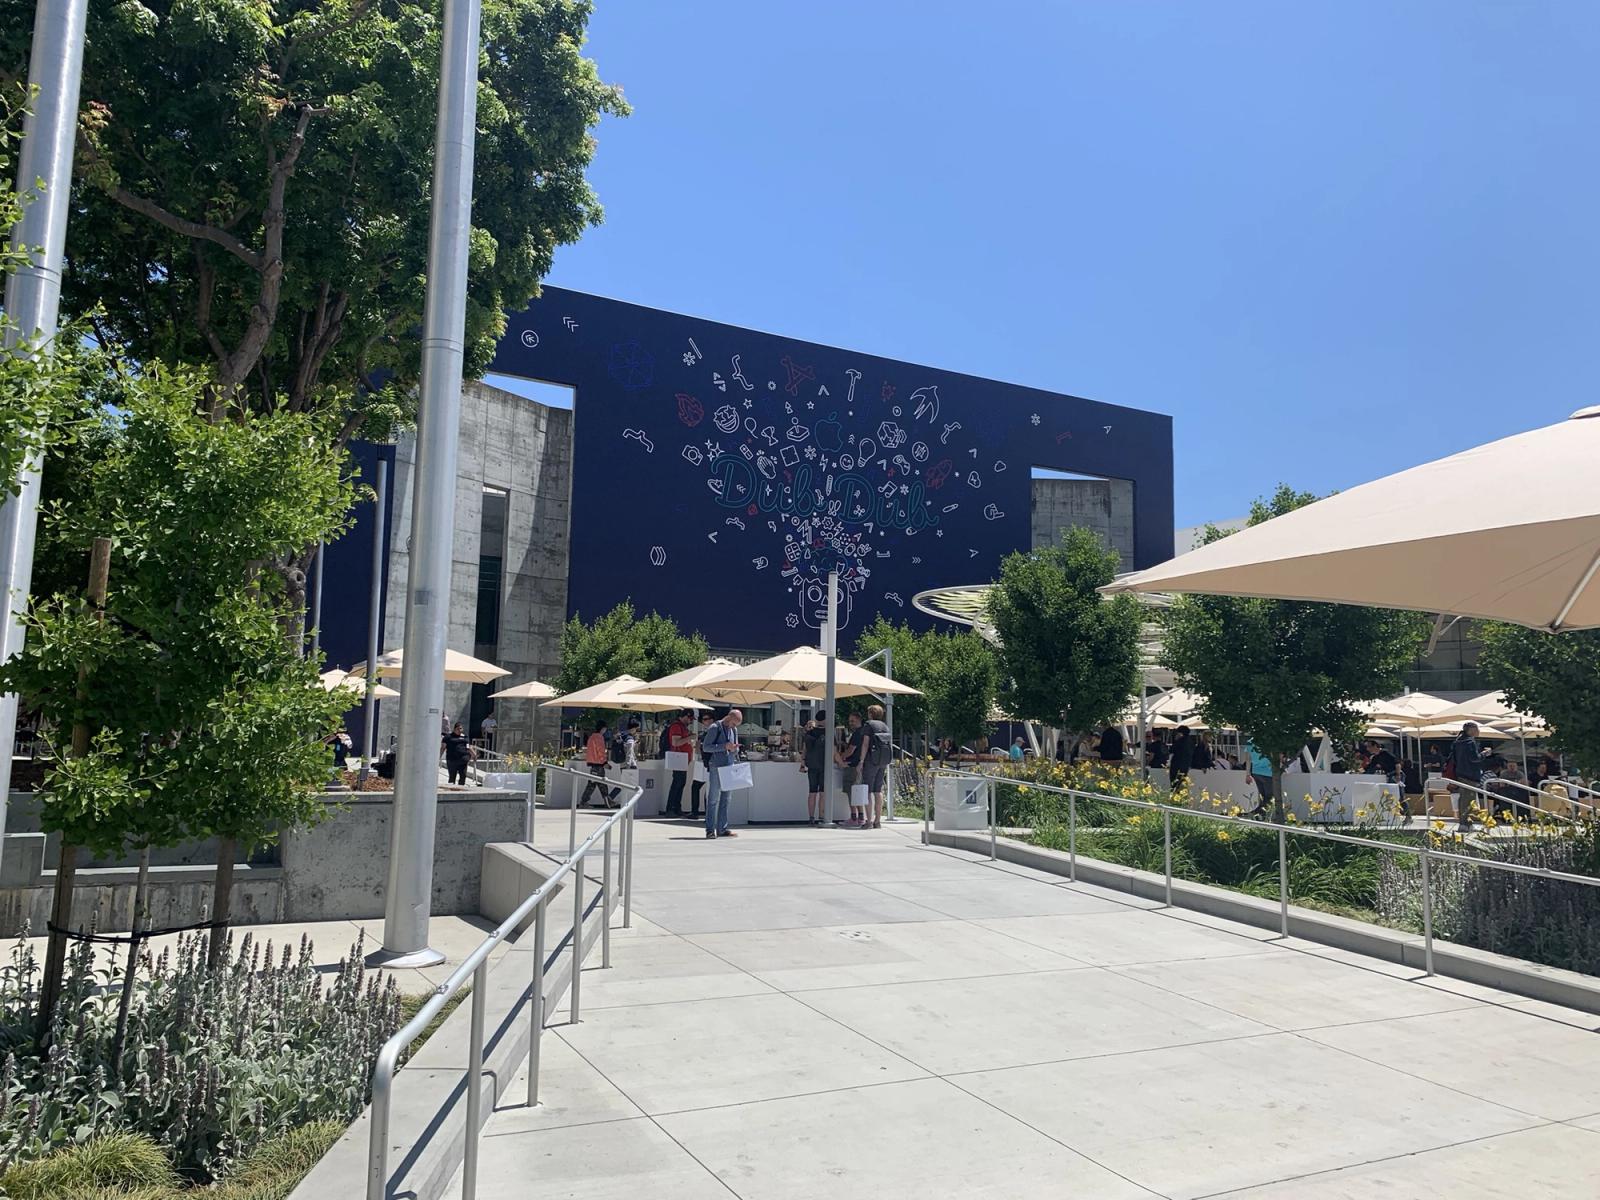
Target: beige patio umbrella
<point>1412,708</point>
<point>533,690</point>
<point>1493,708</point>
<point>335,679</point>
<point>803,672</point>
<point>700,683</point>
<point>620,693</point>
<point>1440,729</point>
<point>458,667</point>
<point>1509,531</point>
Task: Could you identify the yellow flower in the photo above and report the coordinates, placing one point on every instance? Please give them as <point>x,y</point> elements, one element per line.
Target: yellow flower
<point>1292,819</point>
<point>1224,836</point>
<point>1023,788</point>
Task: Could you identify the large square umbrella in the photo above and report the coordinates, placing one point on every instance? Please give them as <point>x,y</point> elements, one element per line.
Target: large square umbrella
<point>803,672</point>
<point>1509,531</point>
<point>701,683</point>
<point>620,693</point>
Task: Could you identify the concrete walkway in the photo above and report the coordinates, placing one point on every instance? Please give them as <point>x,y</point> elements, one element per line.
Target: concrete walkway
<point>846,1014</point>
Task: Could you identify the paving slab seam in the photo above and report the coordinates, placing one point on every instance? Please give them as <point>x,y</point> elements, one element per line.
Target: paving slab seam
<point>1076,1058</point>
<point>647,1116</point>
<point>1068,1146</point>
<point>1388,1066</point>
<point>846,987</point>
<point>1372,1162</point>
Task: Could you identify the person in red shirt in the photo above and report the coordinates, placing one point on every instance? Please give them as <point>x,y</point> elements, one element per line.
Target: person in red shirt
<point>594,757</point>
<point>678,741</point>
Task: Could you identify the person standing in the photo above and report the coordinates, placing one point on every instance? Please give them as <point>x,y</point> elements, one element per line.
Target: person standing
<point>1261,772</point>
<point>1016,752</point>
<point>458,752</point>
<point>850,758</point>
<point>678,741</point>
<point>720,745</point>
<point>815,764</point>
<point>697,765</point>
<point>1155,751</point>
<point>1467,759</point>
<point>487,729</point>
<point>1182,757</point>
<point>876,753</point>
<point>1380,761</point>
<point>594,757</point>
<point>1110,748</point>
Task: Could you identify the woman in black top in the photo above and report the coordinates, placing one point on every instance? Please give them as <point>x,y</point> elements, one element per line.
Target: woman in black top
<point>815,754</point>
<point>458,752</point>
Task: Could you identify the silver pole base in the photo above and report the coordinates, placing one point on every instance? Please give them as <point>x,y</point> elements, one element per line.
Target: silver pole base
<point>426,957</point>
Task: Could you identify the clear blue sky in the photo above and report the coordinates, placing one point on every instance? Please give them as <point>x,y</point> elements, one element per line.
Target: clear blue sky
<point>1332,239</point>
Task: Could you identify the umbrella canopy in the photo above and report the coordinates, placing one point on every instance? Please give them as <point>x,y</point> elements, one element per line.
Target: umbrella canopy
<point>620,693</point>
<point>700,683</point>
<point>458,667</point>
<point>1491,706</point>
<point>803,672</point>
<point>1442,729</point>
<point>1174,703</point>
<point>1413,708</point>
<point>346,679</point>
<point>533,690</point>
<point>1505,532</point>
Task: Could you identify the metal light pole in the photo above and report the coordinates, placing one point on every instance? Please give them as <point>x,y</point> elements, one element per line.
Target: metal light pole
<point>830,647</point>
<point>33,297</point>
<point>416,791</point>
<point>380,525</point>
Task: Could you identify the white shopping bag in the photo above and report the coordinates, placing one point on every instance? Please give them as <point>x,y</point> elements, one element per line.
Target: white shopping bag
<point>734,777</point>
<point>860,797</point>
<point>677,760</point>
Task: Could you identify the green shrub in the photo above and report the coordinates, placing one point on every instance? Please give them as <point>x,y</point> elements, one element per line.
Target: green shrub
<point>217,1060</point>
<point>117,1163</point>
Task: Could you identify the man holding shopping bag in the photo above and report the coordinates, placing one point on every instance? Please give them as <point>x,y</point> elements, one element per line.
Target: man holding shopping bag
<point>720,747</point>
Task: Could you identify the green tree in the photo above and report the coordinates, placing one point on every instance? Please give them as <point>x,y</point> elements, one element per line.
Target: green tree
<point>961,681</point>
<point>911,653</point>
<point>1069,656</point>
<point>1553,675</point>
<point>254,180</point>
<point>205,720</point>
<point>1279,669</point>
<point>622,643</point>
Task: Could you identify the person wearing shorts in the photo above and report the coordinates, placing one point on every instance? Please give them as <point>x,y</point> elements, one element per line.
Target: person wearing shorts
<point>814,746</point>
<point>875,763</point>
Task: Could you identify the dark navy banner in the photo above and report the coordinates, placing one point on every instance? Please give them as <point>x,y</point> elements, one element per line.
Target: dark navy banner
<point>719,473</point>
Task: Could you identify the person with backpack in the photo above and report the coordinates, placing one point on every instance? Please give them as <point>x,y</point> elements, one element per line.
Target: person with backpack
<point>594,757</point>
<point>1465,764</point>
<point>676,740</point>
<point>625,746</point>
<point>875,763</point>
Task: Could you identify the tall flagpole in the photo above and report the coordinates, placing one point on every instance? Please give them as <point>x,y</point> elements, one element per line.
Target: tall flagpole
<point>830,647</point>
<point>408,900</point>
<point>33,297</point>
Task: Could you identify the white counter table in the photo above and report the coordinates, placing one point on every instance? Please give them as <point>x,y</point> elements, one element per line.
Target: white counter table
<point>779,793</point>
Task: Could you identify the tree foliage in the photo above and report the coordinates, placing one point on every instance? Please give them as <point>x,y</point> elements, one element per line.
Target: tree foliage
<point>1068,655</point>
<point>254,180</point>
<point>206,719</point>
<point>955,672</point>
<point>1279,669</point>
<point>1553,675</point>
<point>622,643</point>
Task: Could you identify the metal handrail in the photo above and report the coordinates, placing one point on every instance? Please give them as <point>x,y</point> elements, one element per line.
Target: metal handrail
<point>1423,852</point>
<point>476,967</point>
<point>1495,798</point>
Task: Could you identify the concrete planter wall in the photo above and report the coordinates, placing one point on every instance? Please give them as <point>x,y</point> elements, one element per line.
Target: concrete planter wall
<point>334,871</point>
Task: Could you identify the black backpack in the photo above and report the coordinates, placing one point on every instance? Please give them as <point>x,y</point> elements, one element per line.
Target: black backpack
<point>878,748</point>
<point>619,748</point>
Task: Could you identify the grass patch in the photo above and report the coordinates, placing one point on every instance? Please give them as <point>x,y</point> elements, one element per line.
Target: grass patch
<point>412,1003</point>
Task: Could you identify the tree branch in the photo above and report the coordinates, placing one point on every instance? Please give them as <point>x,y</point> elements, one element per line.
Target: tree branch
<point>188,228</point>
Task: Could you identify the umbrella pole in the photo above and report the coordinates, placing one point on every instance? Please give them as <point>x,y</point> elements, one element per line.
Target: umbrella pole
<point>369,720</point>
<point>830,636</point>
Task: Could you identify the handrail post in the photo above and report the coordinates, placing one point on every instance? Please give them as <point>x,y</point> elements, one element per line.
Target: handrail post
<point>1072,836</point>
<point>527,824</point>
<point>605,902</point>
<point>1166,838</point>
<point>1427,910</point>
<point>572,823</point>
<point>378,1137</point>
<point>536,1005</point>
<point>927,804</point>
<point>577,936</point>
<point>469,1163</point>
<point>994,805</point>
<point>626,867</point>
<point>1283,881</point>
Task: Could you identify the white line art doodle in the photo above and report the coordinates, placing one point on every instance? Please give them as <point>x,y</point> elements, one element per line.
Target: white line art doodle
<point>770,435</point>
<point>927,404</point>
<point>570,324</point>
<point>772,385</point>
<point>823,390</point>
<point>719,381</point>
<point>658,556</point>
<point>999,466</point>
<point>951,507</point>
<point>761,562</point>
<point>920,452</point>
<point>1034,419</point>
<point>972,554</point>
<point>789,455</point>
<point>797,431</point>
<point>749,455</point>
<point>712,536</point>
<point>749,403</point>
<point>1108,429</point>
<point>944,438</point>
<point>846,463</point>
<point>692,453</point>
<point>895,410</point>
<point>735,522</point>
<point>895,596</point>
<point>915,561</point>
<point>692,355</point>
<point>901,463</point>
<point>791,620</point>
<point>530,339</point>
<point>772,525</point>
<point>890,435</point>
<point>991,513</point>
<point>973,452</point>
<point>866,451</point>
<point>726,419</point>
<point>738,376</point>
<point>854,375</point>
<point>716,486</point>
<point>638,435</point>
<point>973,480</point>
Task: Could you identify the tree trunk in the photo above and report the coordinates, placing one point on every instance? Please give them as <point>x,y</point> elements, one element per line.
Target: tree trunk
<point>55,957</point>
<point>141,922</point>
<point>221,898</point>
<point>1277,791</point>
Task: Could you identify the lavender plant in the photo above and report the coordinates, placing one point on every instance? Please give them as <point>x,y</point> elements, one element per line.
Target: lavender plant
<point>217,1059</point>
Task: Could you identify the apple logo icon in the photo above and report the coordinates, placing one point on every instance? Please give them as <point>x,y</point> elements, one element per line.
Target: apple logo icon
<point>829,434</point>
